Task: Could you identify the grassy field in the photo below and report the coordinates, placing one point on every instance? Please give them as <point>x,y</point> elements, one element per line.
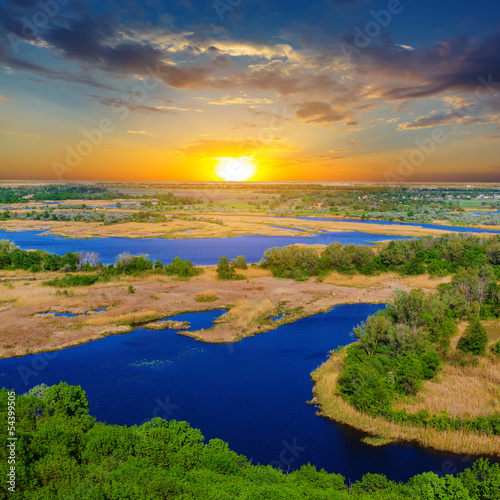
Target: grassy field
<point>251,303</point>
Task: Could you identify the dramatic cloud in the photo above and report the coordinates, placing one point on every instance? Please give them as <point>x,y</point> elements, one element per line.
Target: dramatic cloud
<point>460,64</point>
<point>319,112</point>
<point>457,116</point>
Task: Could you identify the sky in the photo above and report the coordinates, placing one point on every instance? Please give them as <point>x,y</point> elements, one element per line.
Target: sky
<point>261,90</point>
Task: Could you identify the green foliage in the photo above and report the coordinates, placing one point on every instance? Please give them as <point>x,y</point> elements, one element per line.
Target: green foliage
<point>226,271</point>
<point>475,338</point>
<point>61,452</point>
<point>56,193</point>
<point>182,268</point>
<point>67,400</point>
<point>39,391</point>
<point>295,262</point>
<point>133,264</point>
<point>370,334</point>
<point>131,289</point>
<point>240,262</point>
<point>348,259</point>
<point>495,348</point>
<point>397,350</point>
<point>72,280</point>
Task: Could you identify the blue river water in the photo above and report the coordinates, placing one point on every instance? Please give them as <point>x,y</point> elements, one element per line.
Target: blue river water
<point>451,229</point>
<point>201,251</point>
<point>251,394</point>
<point>206,251</point>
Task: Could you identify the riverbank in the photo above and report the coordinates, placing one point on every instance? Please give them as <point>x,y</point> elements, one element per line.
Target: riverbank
<point>23,297</point>
<point>450,391</point>
<point>229,226</point>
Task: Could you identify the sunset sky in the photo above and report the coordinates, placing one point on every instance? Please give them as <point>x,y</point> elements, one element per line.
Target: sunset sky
<point>268,90</point>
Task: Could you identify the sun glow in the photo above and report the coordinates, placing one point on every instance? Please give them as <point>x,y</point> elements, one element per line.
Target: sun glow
<point>235,169</point>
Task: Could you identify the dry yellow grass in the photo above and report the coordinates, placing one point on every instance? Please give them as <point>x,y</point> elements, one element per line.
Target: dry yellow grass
<point>334,407</point>
<point>254,272</point>
<point>472,390</point>
<point>469,390</point>
<point>358,280</point>
<point>247,314</point>
<point>123,319</point>
<point>425,281</point>
<point>206,296</point>
<point>30,294</point>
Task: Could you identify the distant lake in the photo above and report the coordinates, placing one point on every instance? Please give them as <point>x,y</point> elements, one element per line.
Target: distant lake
<point>206,251</point>
<point>251,394</point>
<point>201,251</point>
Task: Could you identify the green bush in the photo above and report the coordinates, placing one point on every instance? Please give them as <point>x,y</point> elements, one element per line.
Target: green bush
<point>495,348</point>
<point>227,272</point>
<point>475,338</point>
<point>182,268</point>
<point>73,280</point>
<point>240,262</point>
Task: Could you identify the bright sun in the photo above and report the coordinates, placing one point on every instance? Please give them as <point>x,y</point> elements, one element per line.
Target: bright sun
<point>235,169</point>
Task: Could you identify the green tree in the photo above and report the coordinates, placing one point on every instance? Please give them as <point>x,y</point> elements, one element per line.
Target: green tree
<point>475,338</point>
<point>240,262</point>
<point>69,400</point>
<point>226,271</point>
<point>370,334</point>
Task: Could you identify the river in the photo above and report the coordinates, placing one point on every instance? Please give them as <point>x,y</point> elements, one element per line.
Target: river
<point>251,394</point>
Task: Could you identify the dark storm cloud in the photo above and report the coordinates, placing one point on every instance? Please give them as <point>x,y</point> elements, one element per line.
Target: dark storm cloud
<point>23,65</point>
<point>82,39</point>
<point>455,65</point>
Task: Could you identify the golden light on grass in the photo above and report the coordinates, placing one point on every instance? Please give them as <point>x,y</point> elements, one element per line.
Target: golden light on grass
<point>235,169</point>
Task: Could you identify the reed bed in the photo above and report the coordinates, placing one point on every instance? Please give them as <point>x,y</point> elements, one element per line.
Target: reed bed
<point>358,280</point>
<point>246,315</point>
<point>131,318</point>
<point>206,296</point>
<point>425,281</point>
<point>468,390</point>
<point>29,294</point>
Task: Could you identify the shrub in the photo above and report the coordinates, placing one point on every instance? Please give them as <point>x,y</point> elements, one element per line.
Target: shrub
<point>475,338</point>
<point>240,262</point>
<point>182,268</point>
<point>225,271</point>
<point>206,296</point>
<point>72,280</point>
<point>495,348</point>
<point>295,262</point>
